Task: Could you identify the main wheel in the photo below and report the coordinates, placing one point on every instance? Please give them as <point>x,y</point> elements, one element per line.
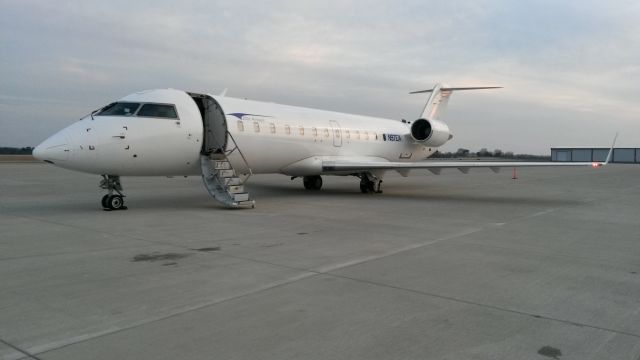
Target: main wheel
<point>115,202</point>
<point>104,201</point>
<point>366,186</point>
<point>312,182</point>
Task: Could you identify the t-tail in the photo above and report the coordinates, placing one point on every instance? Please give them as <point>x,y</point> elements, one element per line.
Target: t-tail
<point>437,103</point>
<point>429,129</point>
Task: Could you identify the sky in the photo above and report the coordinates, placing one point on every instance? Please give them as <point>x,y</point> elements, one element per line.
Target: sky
<point>570,69</point>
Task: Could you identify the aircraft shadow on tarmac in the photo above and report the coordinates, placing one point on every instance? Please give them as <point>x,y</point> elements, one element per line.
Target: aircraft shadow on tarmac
<point>435,193</point>
<point>271,194</point>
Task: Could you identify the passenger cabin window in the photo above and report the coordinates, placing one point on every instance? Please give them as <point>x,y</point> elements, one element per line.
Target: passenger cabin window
<point>119,109</point>
<point>326,132</point>
<point>240,126</point>
<point>256,126</point>
<point>314,132</point>
<point>272,128</point>
<point>366,135</point>
<point>356,134</point>
<point>301,131</point>
<point>348,134</point>
<point>287,130</point>
<point>158,111</point>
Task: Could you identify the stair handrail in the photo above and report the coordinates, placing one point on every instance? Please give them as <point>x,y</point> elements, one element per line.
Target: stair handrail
<point>236,147</point>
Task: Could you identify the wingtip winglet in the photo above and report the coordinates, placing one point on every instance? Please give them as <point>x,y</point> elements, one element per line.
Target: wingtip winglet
<point>613,144</point>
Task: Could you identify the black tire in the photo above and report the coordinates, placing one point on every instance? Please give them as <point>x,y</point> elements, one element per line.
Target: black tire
<point>105,201</point>
<point>306,181</point>
<point>312,182</point>
<point>367,186</point>
<point>115,202</point>
<point>364,188</point>
<point>317,183</point>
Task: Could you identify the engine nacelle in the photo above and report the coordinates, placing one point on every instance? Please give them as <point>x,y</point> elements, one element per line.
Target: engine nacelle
<point>430,132</point>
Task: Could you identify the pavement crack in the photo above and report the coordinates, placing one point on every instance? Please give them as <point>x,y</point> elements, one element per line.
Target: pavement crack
<point>486,306</point>
<point>18,349</point>
<point>305,274</point>
<point>40,349</point>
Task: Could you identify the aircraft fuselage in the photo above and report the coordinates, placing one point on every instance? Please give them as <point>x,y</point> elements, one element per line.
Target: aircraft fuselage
<point>273,138</point>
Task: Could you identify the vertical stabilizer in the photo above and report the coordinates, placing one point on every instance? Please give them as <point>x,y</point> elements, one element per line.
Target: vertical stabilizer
<point>437,103</point>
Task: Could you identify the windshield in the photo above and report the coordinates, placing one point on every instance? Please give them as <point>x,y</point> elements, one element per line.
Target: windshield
<point>158,110</point>
<point>119,109</point>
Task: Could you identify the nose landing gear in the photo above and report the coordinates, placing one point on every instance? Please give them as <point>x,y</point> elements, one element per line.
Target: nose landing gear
<point>112,201</point>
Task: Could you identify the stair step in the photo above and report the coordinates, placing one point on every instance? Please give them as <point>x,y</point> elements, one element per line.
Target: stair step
<point>226,173</point>
<point>248,203</point>
<point>217,156</point>
<point>241,197</point>
<point>222,165</point>
<point>232,181</point>
<point>235,189</point>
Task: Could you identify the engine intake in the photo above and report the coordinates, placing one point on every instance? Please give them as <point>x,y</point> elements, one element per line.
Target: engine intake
<point>430,132</point>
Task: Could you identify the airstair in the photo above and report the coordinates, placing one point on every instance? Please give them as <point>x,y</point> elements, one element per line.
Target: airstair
<point>222,181</point>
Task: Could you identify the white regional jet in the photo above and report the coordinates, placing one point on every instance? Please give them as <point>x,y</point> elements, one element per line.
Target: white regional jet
<point>170,132</point>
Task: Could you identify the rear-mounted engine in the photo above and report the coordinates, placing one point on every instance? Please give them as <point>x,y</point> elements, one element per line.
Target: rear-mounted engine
<point>430,132</point>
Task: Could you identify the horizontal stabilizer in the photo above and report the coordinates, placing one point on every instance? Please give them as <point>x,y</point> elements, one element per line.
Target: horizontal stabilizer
<point>457,89</point>
<point>439,98</point>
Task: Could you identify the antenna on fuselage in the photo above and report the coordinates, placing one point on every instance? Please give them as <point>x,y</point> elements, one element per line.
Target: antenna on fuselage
<point>224,92</point>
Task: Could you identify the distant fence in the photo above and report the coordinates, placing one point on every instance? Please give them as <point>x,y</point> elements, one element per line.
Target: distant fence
<point>573,154</point>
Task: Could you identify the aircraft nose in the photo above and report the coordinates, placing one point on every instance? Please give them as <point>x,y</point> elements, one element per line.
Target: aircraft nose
<point>55,148</point>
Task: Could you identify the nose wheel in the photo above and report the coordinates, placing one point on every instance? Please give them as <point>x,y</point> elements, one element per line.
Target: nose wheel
<point>114,200</point>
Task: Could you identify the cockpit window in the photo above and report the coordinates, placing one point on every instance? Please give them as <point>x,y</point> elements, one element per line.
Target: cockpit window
<point>119,109</point>
<point>166,111</point>
<point>158,110</point>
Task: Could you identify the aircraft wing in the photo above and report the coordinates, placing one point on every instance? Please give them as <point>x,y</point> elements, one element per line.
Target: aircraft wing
<point>345,164</point>
<point>435,166</point>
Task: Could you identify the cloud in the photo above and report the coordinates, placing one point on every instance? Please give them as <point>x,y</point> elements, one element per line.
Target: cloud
<point>576,60</point>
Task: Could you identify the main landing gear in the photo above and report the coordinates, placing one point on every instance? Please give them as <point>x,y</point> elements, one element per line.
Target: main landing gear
<point>312,182</point>
<point>369,184</point>
<point>112,201</point>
